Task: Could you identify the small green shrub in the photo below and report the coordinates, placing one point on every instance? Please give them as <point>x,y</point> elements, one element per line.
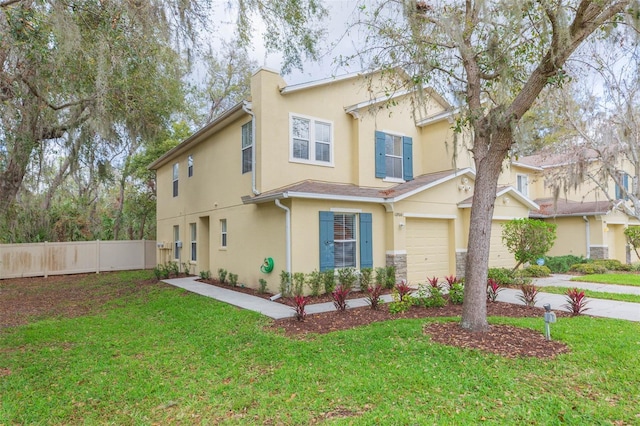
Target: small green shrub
<point>502,276</point>
<point>329,281</point>
<point>535,271</point>
<point>186,268</point>
<point>347,277</point>
<point>613,265</point>
<point>381,277</point>
<point>430,295</point>
<point>314,280</point>
<point>562,264</point>
<point>456,293</point>
<point>205,275</point>
<point>285,284</point>
<point>159,271</point>
<point>233,279</point>
<point>588,268</point>
<point>298,283</point>
<point>390,279</point>
<point>222,275</point>
<point>399,305</point>
<point>173,268</point>
<point>365,278</point>
<point>262,286</point>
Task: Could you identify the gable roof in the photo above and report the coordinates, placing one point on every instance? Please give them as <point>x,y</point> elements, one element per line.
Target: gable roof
<point>504,190</point>
<point>550,208</point>
<point>209,129</point>
<point>547,160</point>
<point>349,192</point>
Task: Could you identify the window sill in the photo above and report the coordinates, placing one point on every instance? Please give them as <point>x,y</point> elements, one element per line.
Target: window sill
<point>222,248</point>
<point>311,162</point>
<point>393,180</point>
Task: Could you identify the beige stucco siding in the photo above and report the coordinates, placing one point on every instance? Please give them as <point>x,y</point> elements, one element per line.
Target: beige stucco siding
<point>305,225</point>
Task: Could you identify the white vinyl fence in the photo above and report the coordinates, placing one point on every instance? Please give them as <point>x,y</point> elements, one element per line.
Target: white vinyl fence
<point>44,259</point>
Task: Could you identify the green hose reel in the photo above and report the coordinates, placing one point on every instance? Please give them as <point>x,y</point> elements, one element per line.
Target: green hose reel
<point>267,265</point>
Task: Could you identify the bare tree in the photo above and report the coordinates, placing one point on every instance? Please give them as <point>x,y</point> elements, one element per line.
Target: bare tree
<point>603,117</point>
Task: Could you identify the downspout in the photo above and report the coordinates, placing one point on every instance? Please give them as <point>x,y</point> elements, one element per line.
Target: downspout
<point>287,225</point>
<point>588,238</point>
<point>246,106</point>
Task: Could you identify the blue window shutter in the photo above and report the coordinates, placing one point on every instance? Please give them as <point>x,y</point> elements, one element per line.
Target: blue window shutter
<point>407,156</point>
<point>381,164</point>
<point>366,237</point>
<point>326,241</point>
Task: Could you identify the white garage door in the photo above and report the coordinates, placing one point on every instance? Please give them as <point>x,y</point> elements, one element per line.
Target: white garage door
<point>499,256</point>
<point>427,249</point>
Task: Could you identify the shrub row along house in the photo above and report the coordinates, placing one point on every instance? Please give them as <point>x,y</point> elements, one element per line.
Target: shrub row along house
<point>336,173</point>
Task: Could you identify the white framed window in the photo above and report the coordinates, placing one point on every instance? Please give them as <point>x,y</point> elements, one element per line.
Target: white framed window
<point>177,244</point>
<point>223,232</point>
<point>176,173</point>
<point>393,156</point>
<point>523,184</point>
<point>344,240</point>
<point>190,165</point>
<point>311,140</point>
<point>247,147</point>
<point>192,231</point>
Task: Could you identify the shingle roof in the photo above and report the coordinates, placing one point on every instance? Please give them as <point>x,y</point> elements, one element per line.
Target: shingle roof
<point>318,189</point>
<point>554,159</point>
<point>550,208</point>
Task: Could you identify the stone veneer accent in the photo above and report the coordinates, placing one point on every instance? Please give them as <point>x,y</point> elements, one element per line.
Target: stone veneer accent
<point>461,263</point>
<point>599,252</point>
<point>400,262</point>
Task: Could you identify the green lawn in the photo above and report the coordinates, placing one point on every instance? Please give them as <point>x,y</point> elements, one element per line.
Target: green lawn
<point>172,357</point>
<point>612,278</point>
<point>594,294</point>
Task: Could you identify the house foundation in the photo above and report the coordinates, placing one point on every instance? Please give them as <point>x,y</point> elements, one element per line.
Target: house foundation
<point>399,260</point>
<point>599,252</point>
<point>461,263</point>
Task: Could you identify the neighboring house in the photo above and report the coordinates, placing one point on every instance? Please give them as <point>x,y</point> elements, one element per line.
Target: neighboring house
<point>589,223</point>
<point>324,175</point>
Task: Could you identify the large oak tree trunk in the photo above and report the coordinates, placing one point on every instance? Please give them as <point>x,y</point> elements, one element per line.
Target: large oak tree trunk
<point>474,309</point>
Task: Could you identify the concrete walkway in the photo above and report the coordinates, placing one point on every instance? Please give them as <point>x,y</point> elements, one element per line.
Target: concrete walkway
<point>597,307</point>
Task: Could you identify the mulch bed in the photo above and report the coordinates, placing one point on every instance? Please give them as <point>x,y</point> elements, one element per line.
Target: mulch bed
<point>23,300</point>
<point>502,340</point>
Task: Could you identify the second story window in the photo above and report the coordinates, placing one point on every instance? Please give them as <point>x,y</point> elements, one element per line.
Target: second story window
<point>190,165</point>
<point>311,140</point>
<point>247,147</point>
<point>175,179</point>
<point>394,156</point>
<point>523,184</point>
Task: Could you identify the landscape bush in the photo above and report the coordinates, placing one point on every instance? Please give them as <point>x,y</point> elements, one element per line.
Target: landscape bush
<point>340,297</point>
<point>493,288</point>
<point>588,268</point>
<point>528,294</point>
<point>502,276</point>
<point>535,271</point>
<point>562,264</point>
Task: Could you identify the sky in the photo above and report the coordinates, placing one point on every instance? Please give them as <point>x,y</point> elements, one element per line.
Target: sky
<point>341,12</point>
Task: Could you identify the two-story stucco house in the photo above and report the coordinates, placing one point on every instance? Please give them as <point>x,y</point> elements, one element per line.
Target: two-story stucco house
<point>588,223</point>
<point>322,175</point>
